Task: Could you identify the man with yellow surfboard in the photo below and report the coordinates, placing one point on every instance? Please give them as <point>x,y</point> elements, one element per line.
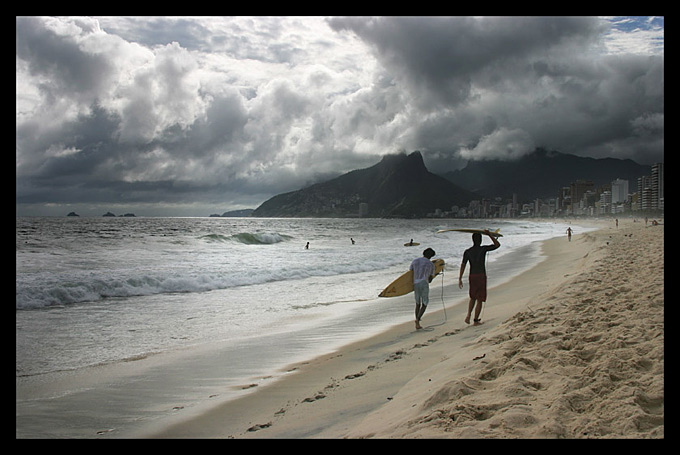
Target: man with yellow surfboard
<point>423,272</point>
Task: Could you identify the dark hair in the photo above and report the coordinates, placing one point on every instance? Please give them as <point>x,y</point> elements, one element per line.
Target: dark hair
<point>428,253</point>
<point>477,238</point>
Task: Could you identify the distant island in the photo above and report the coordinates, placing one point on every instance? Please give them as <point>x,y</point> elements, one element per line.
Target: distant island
<point>111,214</point>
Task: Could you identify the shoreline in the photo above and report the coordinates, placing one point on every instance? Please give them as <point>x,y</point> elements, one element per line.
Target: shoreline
<point>407,383</point>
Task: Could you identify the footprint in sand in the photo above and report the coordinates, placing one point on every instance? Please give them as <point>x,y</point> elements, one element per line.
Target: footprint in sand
<point>259,426</point>
<point>316,397</point>
<point>355,375</point>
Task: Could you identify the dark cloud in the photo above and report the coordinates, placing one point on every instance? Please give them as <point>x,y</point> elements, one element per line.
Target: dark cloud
<point>194,112</point>
<point>442,59</point>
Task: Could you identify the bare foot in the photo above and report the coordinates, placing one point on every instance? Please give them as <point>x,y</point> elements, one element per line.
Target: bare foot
<point>477,322</point>
<point>418,327</point>
<point>467,319</point>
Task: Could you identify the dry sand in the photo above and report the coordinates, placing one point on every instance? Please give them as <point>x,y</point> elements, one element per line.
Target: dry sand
<point>573,348</point>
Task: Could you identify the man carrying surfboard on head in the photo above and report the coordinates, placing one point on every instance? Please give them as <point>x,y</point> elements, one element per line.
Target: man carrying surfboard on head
<point>423,272</point>
<point>476,256</point>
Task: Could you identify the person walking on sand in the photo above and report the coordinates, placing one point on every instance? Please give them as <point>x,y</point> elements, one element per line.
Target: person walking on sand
<point>423,272</point>
<point>476,256</point>
<point>569,231</point>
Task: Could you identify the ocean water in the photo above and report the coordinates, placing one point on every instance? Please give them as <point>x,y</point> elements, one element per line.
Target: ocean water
<point>97,292</point>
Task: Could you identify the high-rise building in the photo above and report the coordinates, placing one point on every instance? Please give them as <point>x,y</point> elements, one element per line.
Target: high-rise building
<point>645,192</point>
<point>657,186</point>
<point>619,191</point>
<point>650,189</point>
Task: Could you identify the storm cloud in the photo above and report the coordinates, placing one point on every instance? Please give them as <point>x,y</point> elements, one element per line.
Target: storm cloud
<point>195,115</point>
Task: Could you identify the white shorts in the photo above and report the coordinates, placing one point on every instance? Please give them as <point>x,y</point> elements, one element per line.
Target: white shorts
<point>422,292</point>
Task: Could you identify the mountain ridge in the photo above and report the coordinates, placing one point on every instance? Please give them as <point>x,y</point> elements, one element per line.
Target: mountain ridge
<point>398,186</point>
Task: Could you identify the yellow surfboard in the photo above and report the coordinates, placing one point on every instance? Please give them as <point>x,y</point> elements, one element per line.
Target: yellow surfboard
<point>404,284</point>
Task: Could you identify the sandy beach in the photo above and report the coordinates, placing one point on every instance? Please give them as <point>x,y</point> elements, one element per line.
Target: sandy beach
<point>572,348</point>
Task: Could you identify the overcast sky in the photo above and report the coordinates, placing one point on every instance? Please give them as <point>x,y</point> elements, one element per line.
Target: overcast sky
<point>190,116</point>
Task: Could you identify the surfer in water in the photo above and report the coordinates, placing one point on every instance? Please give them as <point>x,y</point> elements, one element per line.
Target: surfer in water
<point>423,272</point>
<point>476,256</point>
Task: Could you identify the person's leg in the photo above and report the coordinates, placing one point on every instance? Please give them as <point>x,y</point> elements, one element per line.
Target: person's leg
<point>418,315</point>
<point>422,291</point>
<point>478,311</point>
<point>417,290</point>
<point>471,305</point>
<point>477,295</point>
<point>421,312</point>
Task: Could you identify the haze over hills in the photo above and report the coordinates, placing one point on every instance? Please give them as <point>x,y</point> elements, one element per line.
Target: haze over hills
<point>398,186</point>
<point>401,186</point>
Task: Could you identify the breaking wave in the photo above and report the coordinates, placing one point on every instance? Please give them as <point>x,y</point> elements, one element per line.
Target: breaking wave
<point>247,238</point>
<point>260,238</point>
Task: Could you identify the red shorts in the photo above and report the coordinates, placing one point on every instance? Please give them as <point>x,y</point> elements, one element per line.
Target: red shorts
<point>478,286</point>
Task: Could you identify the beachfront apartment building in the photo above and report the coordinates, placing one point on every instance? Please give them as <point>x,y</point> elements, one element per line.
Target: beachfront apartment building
<point>619,191</point>
<point>651,189</point>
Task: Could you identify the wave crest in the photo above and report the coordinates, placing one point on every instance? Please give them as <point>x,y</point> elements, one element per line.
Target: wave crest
<point>247,238</point>
<point>260,238</point>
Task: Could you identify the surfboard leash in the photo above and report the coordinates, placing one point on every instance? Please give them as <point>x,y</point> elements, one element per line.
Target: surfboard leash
<point>442,296</point>
<point>443,306</point>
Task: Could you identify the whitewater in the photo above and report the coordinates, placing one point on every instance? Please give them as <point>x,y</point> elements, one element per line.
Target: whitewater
<point>96,292</point>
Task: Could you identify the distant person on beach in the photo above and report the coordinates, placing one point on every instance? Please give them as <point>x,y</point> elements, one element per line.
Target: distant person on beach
<point>476,256</point>
<point>307,246</point>
<point>423,272</point>
<point>569,231</point>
